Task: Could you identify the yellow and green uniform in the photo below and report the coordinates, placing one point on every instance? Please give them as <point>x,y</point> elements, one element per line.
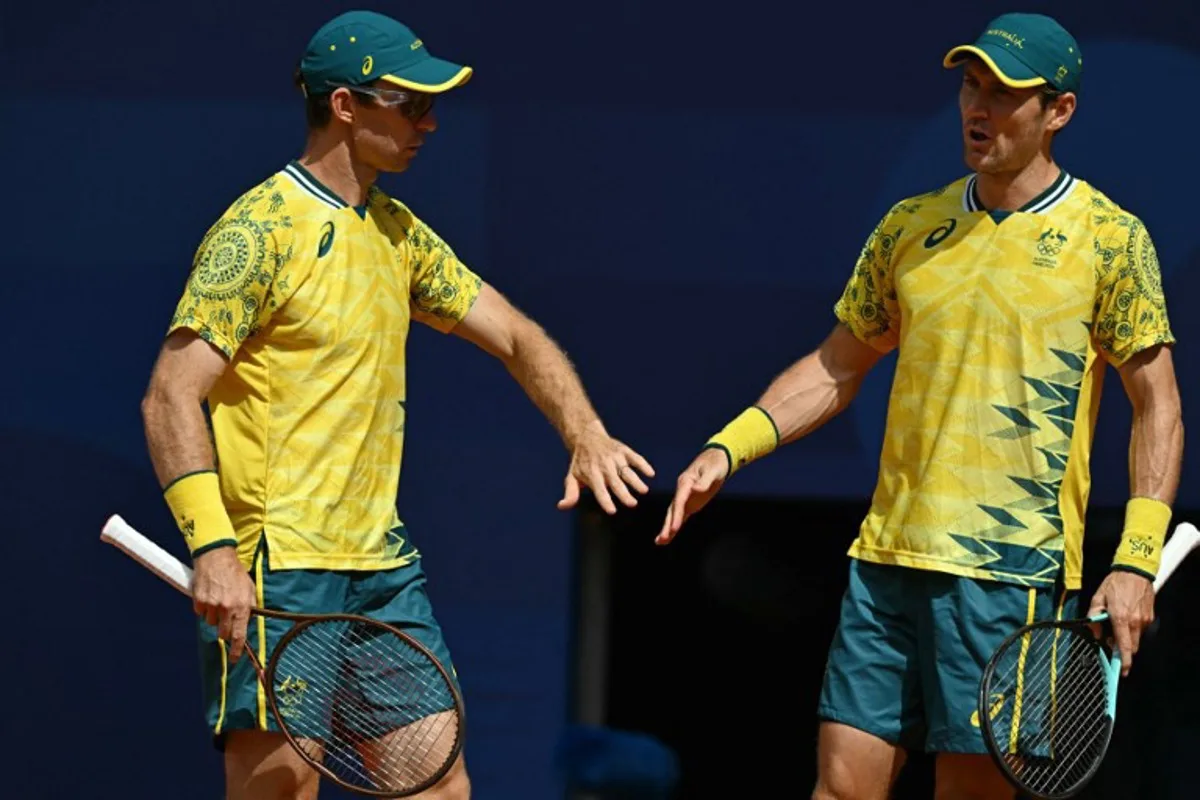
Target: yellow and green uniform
<point>1003,323</point>
<point>311,301</point>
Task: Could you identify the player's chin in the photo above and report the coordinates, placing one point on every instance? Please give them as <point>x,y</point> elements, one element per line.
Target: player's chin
<point>399,162</point>
<point>983,163</point>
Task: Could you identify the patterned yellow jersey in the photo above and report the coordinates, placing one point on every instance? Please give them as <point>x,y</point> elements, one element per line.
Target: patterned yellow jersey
<point>1003,323</point>
<point>311,300</point>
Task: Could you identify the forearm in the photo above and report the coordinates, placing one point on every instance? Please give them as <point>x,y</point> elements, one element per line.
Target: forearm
<point>1156,451</point>
<point>547,376</point>
<point>807,395</point>
<point>1155,457</point>
<point>176,435</point>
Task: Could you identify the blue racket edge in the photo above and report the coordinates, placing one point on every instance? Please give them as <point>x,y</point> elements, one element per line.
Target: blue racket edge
<point>1184,539</point>
<point>1112,669</point>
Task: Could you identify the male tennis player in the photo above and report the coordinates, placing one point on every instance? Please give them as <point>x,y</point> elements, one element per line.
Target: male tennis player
<point>1006,293</point>
<point>293,327</point>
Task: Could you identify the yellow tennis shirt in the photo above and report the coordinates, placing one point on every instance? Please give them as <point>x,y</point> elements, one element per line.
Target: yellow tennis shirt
<point>1003,324</point>
<point>311,301</point>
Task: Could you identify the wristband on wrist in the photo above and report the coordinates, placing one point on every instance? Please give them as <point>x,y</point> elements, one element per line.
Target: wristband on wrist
<point>752,434</point>
<point>195,502</point>
<point>1146,522</point>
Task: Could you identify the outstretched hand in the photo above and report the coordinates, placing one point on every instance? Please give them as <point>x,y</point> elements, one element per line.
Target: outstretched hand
<point>697,484</point>
<point>604,465</point>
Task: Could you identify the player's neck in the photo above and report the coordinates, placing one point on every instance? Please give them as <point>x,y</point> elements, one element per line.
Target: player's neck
<point>1010,191</point>
<point>330,162</point>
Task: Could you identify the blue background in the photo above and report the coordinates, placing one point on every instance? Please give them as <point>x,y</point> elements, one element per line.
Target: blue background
<point>676,191</point>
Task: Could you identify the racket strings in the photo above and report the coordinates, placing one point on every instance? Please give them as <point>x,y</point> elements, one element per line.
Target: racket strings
<point>362,701</point>
<point>1054,723</point>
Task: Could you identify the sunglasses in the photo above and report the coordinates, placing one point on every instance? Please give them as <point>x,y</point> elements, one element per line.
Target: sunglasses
<point>413,106</point>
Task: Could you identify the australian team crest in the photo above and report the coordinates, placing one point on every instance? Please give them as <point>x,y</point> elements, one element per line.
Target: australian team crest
<point>1049,245</point>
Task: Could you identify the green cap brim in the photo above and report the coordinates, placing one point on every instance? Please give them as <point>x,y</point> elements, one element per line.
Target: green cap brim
<point>430,75</point>
<point>1008,68</point>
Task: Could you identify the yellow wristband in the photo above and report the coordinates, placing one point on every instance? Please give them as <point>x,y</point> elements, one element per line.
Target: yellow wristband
<point>1146,522</point>
<point>751,435</point>
<point>195,501</point>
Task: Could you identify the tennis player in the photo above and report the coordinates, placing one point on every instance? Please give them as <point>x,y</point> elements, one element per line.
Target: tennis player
<point>293,328</point>
<point>1006,294</point>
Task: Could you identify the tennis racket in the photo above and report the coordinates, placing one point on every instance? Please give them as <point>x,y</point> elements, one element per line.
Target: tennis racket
<point>1048,699</point>
<point>364,703</point>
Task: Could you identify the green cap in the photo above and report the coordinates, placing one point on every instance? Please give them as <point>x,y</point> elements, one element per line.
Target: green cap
<point>360,47</point>
<point>1026,50</point>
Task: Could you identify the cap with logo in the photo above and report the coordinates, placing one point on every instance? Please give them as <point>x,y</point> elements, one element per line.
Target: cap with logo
<point>360,47</point>
<point>1026,50</point>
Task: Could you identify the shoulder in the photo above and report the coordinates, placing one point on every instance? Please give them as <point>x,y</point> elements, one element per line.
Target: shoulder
<point>1105,215</point>
<point>922,213</point>
<point>416,233</point>
<point>381,201</point>
<point>248,244</point>
<point>264,214</point>
<point>1116,231</point>
<point>938,204</point>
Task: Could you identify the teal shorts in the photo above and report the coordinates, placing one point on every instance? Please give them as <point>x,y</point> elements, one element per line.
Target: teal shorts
<point>911,646</point>
<point>233,697</point>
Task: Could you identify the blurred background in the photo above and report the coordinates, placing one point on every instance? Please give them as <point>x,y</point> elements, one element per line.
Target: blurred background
<point>677,192</point>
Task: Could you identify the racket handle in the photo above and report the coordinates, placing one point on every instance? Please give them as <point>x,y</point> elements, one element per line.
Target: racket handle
<point>1185,538</point>
<point>166,566</point>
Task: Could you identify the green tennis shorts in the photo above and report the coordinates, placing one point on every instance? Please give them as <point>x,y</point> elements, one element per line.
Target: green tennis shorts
<point>910,648</point>
<point>233,697</point>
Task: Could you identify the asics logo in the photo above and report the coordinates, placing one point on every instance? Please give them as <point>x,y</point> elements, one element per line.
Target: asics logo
<point>993,710</point>
<point>940,234</point>
<point>326,242</point>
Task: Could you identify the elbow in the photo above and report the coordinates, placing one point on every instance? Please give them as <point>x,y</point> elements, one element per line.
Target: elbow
<point>158,401</point>
<point>521,340</point>
<point>847,379</point>
<point>845,394</point>
<point>152,403</point>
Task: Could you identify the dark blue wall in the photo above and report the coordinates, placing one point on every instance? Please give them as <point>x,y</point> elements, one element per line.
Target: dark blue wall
<point>676,191</point>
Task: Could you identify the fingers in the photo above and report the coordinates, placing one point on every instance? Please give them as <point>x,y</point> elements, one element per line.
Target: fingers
<point>631,477</point>
<point>225,626</point>
<point>1125,645</point>
<point>616,482</point>
<point>665,533</point>
<point>613,477</point>
<point>596,482</point>
<point>1136,623</point>
<point>674,518</point>
<point>570,493</point>
<point>239,614</point>
<point>636,459</point>
<point>677,513</point>
<point>669,528</point>
<point>239,619</point>
<point>705,480</point>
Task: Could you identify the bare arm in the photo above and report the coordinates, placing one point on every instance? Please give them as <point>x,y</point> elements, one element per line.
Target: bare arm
<point>819,386</point>
<point>533,359</point>
<point>542,369</point>
<point>176,432</point>
<point>803,398</point>
<point>1156,441</point>
<point>1155,459</point>
<point>177,435</point>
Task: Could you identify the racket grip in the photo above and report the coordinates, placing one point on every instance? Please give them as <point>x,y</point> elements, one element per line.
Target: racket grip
<point>1185,538</point>
<point>118,532</point>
